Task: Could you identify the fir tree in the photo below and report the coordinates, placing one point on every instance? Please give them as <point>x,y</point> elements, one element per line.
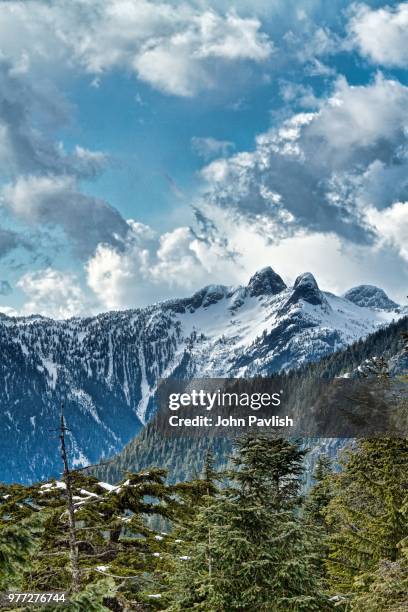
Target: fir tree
<point>261,553</point>
<point>388,590</point>
<point>321,493</point>
<point>367,511</point>
<point>16,543</point>
<point>315,509</point>
<point>112,534</point>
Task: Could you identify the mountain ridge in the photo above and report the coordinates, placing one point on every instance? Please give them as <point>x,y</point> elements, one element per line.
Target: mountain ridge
<point>184,457</point>
<point>104,369</point>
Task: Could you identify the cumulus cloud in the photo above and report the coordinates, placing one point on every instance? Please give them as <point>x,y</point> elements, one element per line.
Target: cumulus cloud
<point>179,52</point>
<point>329,185</point>
<point>297,92</point>
<point>392,226</point>
<point>55,201</point>
<point>381,34</point>
<point>152,267</point>
<point>52,293</point>
<point>176,51</point>
<point>315,171</point>
<point>231,248</point>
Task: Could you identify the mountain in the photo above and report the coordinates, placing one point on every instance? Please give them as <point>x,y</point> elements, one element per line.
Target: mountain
<point>370,296</point>
<point>184,457</point>
<point>105,369</point>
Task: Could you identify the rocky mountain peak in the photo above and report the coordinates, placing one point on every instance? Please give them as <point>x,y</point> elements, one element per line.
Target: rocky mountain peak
<point>370,296</point>
<point>307,289</point>
<point>265,282</point>
<point>211,294</point>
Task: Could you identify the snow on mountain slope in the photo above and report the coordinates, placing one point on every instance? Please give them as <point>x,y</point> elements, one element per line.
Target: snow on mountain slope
<point>105,369</point>
<point>371,297</point>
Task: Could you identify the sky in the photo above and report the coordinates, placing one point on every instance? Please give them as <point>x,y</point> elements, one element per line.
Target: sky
<point>150,148</point>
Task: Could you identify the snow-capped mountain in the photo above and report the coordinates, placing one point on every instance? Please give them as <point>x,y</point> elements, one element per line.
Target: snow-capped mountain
<point>370,297</point>
<point>105,368</point>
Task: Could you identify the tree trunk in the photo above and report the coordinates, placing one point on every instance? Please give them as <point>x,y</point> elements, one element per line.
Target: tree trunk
<point>67,479</point>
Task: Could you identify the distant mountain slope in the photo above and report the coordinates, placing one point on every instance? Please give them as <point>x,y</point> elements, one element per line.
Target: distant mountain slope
<point>184,457</point>
<point>105,368</point>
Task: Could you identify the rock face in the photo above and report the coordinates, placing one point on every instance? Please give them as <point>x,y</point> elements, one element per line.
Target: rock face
<point>105,369</point>
<point>306,288</point>
<point>369,296</point>
<point>265,282</point>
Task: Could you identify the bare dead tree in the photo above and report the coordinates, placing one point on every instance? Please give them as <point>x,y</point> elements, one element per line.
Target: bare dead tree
<point>67,479</point>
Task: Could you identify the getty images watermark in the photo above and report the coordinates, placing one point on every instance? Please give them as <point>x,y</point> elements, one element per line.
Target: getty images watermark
<point>281,405</point>
<point>215,400</point>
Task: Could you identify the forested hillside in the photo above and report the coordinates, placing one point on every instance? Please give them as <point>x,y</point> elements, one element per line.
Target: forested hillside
<point>183,457</point>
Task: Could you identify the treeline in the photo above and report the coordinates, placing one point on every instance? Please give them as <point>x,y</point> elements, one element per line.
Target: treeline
<point>243,540</point>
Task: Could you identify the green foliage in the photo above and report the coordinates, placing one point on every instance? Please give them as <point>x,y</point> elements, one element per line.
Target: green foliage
<point>388,591</point>
<point>17,542</point>
<point>93,596</point>
<point>113,536</point>
<point>367,513</point>
<point>315,509</point>
<point>321,492</point>
<point>246,548</point>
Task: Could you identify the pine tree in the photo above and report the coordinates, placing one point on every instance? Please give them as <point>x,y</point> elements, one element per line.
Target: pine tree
<point>261,553</point>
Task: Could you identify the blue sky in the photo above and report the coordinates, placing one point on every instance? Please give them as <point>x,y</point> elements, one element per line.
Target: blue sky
<point>149,148</point>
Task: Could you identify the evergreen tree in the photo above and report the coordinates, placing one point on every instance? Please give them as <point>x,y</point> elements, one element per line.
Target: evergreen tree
<point>367,511</point>
<point>113,537</point>
<point>16,543</point>
<point>321,493</point>
<point>261,554</point>
<point>315,509</point>
<point>388,591</point>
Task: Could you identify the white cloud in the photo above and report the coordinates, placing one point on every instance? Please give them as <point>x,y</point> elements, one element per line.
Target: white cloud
<point>29,114</point>
<point>52,293</point>
<point>321,171</point>
<point>392,226</point>
<point>297,92</point>
<point>178,51</point>
<point>41,178</point>
<point>174,49</point>
<point>152,267</point>
<point>9,311</point>
<point>356,118</point>
<point>381,34</point>
<point>338,265</point>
